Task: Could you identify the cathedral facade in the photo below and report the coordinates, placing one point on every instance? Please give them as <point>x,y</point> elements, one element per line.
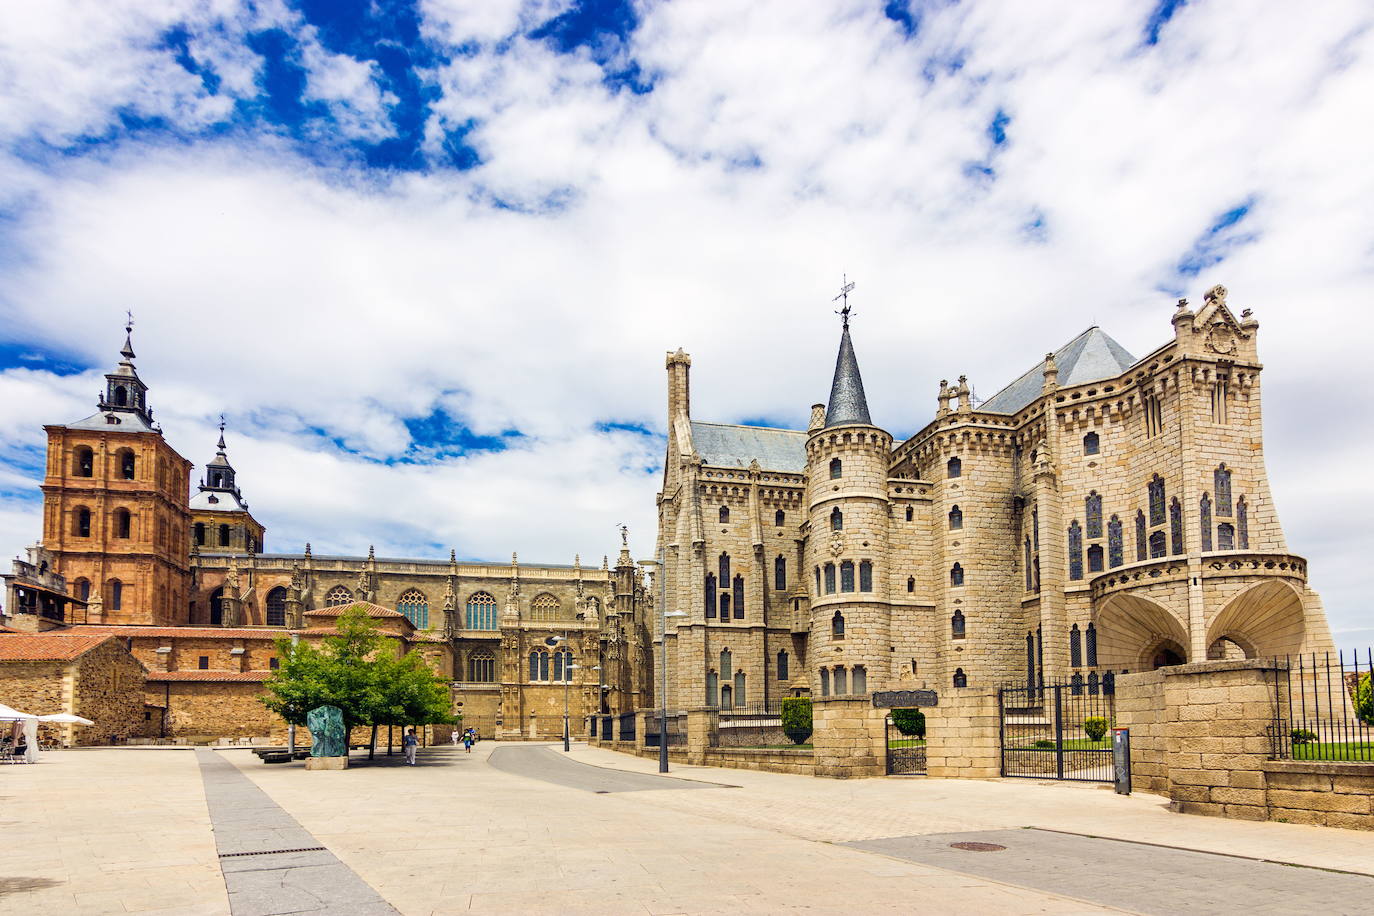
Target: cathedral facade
<point>1101,514</point>
<point>127,549</point>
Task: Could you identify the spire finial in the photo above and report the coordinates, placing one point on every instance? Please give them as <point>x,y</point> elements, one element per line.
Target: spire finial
<point>221,433</point>
<point>624,535</point>
<point>845,289</point>
<point>128,351</point>
<point>847,404</point>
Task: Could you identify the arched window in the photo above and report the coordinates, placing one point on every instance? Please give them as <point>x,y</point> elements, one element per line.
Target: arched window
<point>738,589</point>
<point>544,608</point>
<point>818,580</point>
<point>1243,524</point>
<point>127,463</point>
<point>1221,479</point>
<point>1091,641</point>
<point>275,606</point>
<point>1158,548</point>
<point>481,612</point>
<point>1140,546</point>
<point>82,588</point>
<point>910,513</point>
<point>779,518</point>
<point>710,595</point>
<point>724,565</point>
<point>1176,525</point>
<point>956,518</point>
<point>956,625</point>
<point>837,626</point>
<point>415,606</point>
<point>482,667</point>
<point>1075,550</point>
<point>847,576</point>
<point>115,589</point>
<point>780,573</point>
<point>782,666</point>
<point>1092,515</point>
<point>1076,684</point>
<point>724,515</point>
<point>1204,507</point>
<point>739,689</point>
<point>865,576</point>
<point>954,467</point>
<point>83,461</point>
<point>1027,564</point>
<point>727,666</point>
<point>830,578</point>
<point>199,535</point>
<point>836,520</point>
<point>217,607</point>
<point>724,605</point>
<point>712,688</point>
<point>1226,536</point>
<point>1108,683</point>
<point>1090,444</point>
<point>836,467</point>
<point>338,596</point>
<point>825,682</point>
<point>960,679</point>
<point>1115,556</point>
<point>1095,558</point>
<point>841,680</point>
<point>1030,660</point>
<point>1075,647</point>
<point>122,524</point>
<point>562,666</point>
<point>81,522</point>
<point>224,535</point>
<point>956,575</point>
<point>1156,500</point>
<point>911,583</point>
<point>727,697</point>
<point>1092,683</point>
<point>539,665</point>
<point>860,680</point>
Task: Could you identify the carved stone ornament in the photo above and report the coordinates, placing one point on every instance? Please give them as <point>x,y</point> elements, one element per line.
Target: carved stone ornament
<point>837,546</point>
<point>1221,339</point>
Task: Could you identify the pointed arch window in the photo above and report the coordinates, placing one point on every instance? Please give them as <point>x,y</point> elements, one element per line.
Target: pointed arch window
<point>725,515</point>
<point>83,461</point>
<point>1095,558</point>
<point>739,689</point>
<point>960,679</point>
<point>710,595</point>
<point>726,664</point>
<point>825,682</point>
<point>1226,536</point>
<point>1092,514</point>
<point>1156,500</point>
<point>1090,640</point>
<point>415,606</point>
<point>1030,659</point>
<point>837,626</point>
<point>1158,548</point>
<point>1091,444</point>
<point>1075,647</point>
<point>836,520</point>
<point>739,597</point>
<point>275,605</point>
<point>712,688</point>
<point>123,524</point>
<point>1075,550</point>
<point>539,665</point>
<point>956,518</point>
<point>836,468</point>
<point>217,607</point>
<point>1115,557</point>
<point>782,666</point>
<point>957,625</point>
<point>830,578</point>
<point>780,573</point>
<point>841,681</point>
<point>1140,545</point>
<point>1092,683</point>
<point>911,583</point>
<point>847,576</point>
<point>81,522</point>
<point>1205,518</point>
<point>338,596</point>
<point>481,612</point>
<point>724,568</point>
<point>1176,525</point>
<point>779,518</point>
<point>1221,478</point>
<point>1242,524</point>
<point>562,666</point>
<point>956,575</point>
<point>482,667</point>
<point>724,605</point>
<point>954,467</point>
<point>543,608</point>
<point>1076,684</point>
<point>910,513</point>
<point>1027,564</point>
<point>865,576</point>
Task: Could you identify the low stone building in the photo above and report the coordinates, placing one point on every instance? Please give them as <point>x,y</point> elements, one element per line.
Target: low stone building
<point>90,675</point>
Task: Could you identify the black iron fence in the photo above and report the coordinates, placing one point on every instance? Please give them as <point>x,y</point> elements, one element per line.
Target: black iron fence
<point>677,730</point>
<point>1325,709</point>
<point>906,753</point>
<point>627,726</point>
<point>757,725</point>
<point>606,727</point>
<point>1058,731</point>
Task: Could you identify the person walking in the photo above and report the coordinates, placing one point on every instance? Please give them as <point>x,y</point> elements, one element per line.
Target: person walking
<point>467,740</point>
<point>410,743</point>
<point>454,736</point>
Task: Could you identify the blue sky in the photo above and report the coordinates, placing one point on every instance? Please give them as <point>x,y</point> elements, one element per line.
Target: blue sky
<point>426,255</point>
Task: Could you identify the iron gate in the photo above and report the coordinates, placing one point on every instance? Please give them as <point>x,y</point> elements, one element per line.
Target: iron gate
<point>1058,731</point>
<point>906,754</point>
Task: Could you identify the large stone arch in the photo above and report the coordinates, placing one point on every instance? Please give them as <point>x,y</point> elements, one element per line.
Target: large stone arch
<point>1265,620</point>
<point>1132,631</point>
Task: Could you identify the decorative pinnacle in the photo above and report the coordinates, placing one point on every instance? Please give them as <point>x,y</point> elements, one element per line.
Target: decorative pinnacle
<point>128,351</point>
<point>452,555</point>
<point>371,552</point>
<point>221,433</point>
<point>624,535</point>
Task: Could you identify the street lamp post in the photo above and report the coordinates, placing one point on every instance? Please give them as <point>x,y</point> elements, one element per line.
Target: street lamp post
<point>567,679</point>
<point>663,708</point>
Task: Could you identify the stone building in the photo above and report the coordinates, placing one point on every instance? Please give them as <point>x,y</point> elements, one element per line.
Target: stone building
<point>91,675</point>
<point>136,553</point>
<point>1102,513</point>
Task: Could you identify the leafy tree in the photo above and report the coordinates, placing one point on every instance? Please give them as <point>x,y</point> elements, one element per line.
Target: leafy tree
<point>796,719</point>
<point>342,672</point>
<point>1095,727</point>
<point>910,722</point>
<point>1363,696</point>
<point>408,692</point>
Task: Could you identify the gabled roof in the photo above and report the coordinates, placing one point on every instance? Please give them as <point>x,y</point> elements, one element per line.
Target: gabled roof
<point>124,423</point>
<point>45,648</point>
<point>723,445</point>
<point>372,610</point>
<point>1089,357</point>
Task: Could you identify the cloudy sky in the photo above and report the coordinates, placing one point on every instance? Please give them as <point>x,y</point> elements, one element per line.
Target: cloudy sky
<point>426,255</point>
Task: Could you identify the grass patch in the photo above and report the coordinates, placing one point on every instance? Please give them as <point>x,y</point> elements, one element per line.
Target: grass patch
<point>1072,744</point>
<point>1323,750</point>
<point>905,742</point>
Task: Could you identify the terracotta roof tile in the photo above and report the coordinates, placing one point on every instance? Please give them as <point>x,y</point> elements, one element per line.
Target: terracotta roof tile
<point>186,632</point>
<point>197,675</point>
<point>45,648</point>
<point>372,610</point>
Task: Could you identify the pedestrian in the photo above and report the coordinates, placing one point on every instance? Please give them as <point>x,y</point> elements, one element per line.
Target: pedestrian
<point>467,740</point>
<point>410,743</point>
<point>454,736</point>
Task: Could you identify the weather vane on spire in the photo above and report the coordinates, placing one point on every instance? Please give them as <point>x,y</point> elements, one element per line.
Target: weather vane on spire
<point>845,290</point>
<point>129,322</point>
<point>624,535</point>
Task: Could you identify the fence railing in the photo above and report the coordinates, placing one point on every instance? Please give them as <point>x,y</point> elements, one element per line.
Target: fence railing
<point>627,726</point>
<point>752,725</point>
<point>677,730</point>
<point>1326,707</point>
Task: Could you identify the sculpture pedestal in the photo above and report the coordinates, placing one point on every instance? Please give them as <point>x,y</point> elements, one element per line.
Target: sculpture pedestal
<point>326,763</point>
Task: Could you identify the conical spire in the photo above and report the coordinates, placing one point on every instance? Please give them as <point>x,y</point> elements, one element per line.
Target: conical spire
<point>220,444</point>
<point>848,405</point>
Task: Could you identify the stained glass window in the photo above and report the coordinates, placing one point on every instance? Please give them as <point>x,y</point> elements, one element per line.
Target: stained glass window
<point>1205,513</point>
<point>865,576</point>
<point>1176,525</point>
<point>825,682</point>
<point>724,605</point>
<point>724,569</point>
<point>836,468</point>
<point>1222,479</point>
<point>1090,641</point>
<point>780,573</point>
<point>276,607</point>
<point>1157,500</point>
<point>544,607</point>
<point>1028,562</point>
<point>1075,647</point>
<point>956,625</point>
<point>1226,536</point>
<point>1095,558</point>
<point>956,518</point>
<point>482,612</point>
<point>837,626</point>
<point>1115,556</point>
<point>841,681</point>
<point>818,580</point>
<point>481,666</point>
<point>562,665</point>
<point>1090,444</point>
<point>956,575</point>
<point>1157,546</point>
<point>539,665</point>
<point>724,515</point>
<point>836,520</point>
<point>710,595</point>
<point>739,597</point>
<point>830,578</point>
<point>338,596</point>
<point>1243,523</point>
<point>1075,550</point>
<point>1139,535</point>
<point>727,665</point>
<point>954,467</point>
<point>1092,511</point>
<point>782,666</point>
<point>712,683</point>
<point>847,576</point>
<point>1035,528</point>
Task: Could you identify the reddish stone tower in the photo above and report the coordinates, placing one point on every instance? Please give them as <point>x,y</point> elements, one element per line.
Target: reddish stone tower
<point>115,514</point>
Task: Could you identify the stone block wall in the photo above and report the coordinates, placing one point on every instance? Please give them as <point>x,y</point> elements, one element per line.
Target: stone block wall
<point>107,688</point>
<point>963,735</point>
<point>1315,792</point>
<point>849,738</point>
<point>1140,708</point>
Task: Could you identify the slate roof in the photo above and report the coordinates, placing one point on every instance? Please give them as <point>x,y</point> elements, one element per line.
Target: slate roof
<point>129,422</point>
<point>847,405</point>
<point>1089,357</point>
<point>724,445</point>
<point>225,501</point>
<point>45,648</point>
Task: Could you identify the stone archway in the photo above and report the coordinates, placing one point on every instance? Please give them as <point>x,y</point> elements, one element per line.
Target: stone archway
<point>1137,634</point>
<point>1265,620</point>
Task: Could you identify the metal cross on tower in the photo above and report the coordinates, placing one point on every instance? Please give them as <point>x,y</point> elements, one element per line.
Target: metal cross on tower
<point>845,289</point>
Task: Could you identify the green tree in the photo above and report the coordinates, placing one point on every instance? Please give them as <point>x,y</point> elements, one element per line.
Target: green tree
<point>796,719</point>
<point>408,692</point>
<point>342,672</point>
<point>910,722</point>
<point>1363,696</point>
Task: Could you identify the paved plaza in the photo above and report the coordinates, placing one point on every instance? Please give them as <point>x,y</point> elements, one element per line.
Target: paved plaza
<point>526,828</point>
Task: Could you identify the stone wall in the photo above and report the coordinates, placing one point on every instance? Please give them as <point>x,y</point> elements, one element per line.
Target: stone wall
<point>850,737</point>
<point>107,689</point>
<point>1140,708</point>
<point>799,762</point>
<point>963,735</point>
<point>215,708</point>
<point>39,688</point>
<point>1314,792</point>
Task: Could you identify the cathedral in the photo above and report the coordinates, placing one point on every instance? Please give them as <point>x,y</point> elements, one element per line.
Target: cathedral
<point>1100,514</point>
<point>185,581</point>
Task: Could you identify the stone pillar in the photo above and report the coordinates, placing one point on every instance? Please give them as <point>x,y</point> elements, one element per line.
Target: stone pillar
<point>1140,708</point>
<point>849,737</point>
<point>702,725</point>
<point>963,735</point>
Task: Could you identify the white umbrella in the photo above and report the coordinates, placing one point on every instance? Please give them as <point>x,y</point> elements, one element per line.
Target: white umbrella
<point>9,714</point>
<point>65,717</point>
